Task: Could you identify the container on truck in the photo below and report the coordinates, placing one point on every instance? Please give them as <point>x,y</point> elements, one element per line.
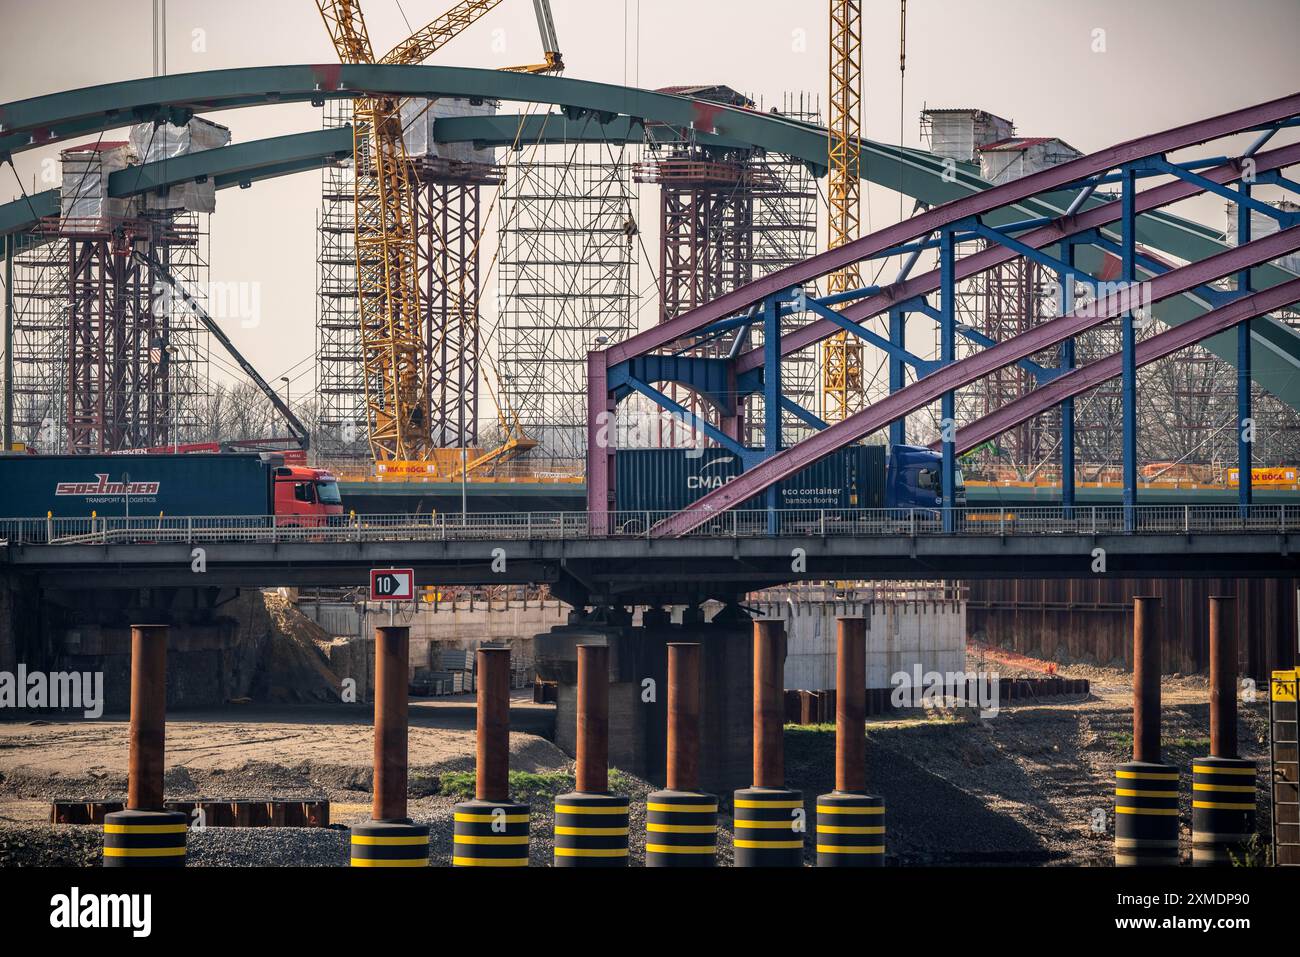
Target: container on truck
<point>855,477</point>
<point>254,485</point>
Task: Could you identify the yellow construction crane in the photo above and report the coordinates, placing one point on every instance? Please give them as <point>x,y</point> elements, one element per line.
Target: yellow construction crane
<point>842,374</point>
<point>388,295</point>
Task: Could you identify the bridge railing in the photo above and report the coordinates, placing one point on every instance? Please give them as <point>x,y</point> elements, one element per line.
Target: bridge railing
<point>820,523</point>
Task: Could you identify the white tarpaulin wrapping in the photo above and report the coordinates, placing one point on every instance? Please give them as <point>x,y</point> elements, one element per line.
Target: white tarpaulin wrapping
<point>154,144</point>
<point>84,204</point>
<point>418,123</point>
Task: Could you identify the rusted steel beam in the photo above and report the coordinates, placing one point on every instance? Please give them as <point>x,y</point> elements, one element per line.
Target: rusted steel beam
<point>1146,679</point>
<point>392,657</point>
<point>850,704</point>
<point>148,730</point>
<point>1223,676</point>
<point>593,719</point>
<point>769,708</point>
<point>683,716</point>
<point>492,770</point>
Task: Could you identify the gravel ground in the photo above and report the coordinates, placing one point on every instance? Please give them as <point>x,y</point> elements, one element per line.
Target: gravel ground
<point>1022,788</point>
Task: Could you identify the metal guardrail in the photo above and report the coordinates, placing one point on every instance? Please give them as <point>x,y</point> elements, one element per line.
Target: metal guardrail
<point>825,523</point>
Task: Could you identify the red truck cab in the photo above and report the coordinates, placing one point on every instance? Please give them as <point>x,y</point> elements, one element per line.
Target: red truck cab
<point>304,496</point>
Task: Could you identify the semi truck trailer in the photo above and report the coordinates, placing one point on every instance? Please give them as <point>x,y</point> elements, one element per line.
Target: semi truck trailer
<point>188,484</point>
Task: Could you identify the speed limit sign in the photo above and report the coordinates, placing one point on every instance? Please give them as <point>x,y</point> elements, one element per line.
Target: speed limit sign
<point>392,584</point>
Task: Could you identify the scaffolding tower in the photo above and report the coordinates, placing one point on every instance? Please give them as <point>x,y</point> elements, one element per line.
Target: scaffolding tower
<point>566,284</point>
<point>448,230</point>
<point>104,358</point>
<point>341,434</point>
<point>727,217</point>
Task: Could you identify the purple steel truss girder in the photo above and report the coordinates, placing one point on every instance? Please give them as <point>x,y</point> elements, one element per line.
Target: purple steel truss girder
<point>993,256</point>
<point>1157,347</point>
<point>1056,177</point>
<point>965,371</point>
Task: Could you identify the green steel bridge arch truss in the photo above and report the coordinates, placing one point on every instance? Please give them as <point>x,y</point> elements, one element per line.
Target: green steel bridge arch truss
<point>588,112</point>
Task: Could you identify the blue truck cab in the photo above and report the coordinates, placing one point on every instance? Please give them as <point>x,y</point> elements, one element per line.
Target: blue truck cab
<point>914,479</point>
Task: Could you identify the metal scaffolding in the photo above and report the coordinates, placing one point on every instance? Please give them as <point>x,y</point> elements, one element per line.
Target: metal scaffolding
<point>566,284</point>
<point>448,222</point>
<point>40,344</point>
<point>727,217</point>
<point>340,389</point>
<point>784,226</point>
<point>103,358</point>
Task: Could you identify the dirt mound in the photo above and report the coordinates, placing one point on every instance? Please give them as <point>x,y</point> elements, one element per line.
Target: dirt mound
<point>290,666</point>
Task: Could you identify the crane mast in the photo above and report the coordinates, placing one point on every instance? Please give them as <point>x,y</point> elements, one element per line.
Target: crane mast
<point>384,199</point>
<point>842,374</point>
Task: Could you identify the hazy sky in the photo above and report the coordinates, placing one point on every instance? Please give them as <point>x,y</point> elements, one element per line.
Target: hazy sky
<point>1165,62</point>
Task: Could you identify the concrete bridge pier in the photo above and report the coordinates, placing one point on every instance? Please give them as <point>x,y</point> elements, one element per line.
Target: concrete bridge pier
<point>638,690</point>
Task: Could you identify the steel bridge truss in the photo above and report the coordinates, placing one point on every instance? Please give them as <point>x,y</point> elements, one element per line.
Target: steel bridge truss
<point>1073,247</point>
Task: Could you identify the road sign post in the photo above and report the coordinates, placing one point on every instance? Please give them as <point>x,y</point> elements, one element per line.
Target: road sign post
<point>392,585</point>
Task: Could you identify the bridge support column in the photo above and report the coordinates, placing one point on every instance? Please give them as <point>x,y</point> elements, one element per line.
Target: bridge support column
<point>1245,426</point>
<point>850,822</point>
<point>1128,334</point>
<point>1146,791</point>
<point>1223,785</point>
<point>390,839</point>
<point>681,820</point>
<point>491,831</point>
<point>591,824</point>
<point>769,822</point>
<point>144,835</point>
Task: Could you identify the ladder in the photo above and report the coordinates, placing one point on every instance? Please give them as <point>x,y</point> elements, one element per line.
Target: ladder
<point>1284,768</point>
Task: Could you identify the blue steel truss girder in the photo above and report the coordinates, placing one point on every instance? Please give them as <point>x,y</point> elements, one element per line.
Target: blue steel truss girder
<point>960,373</point>
<point>708,376</point>
<point>1240,197</point>
<point>695,422</point>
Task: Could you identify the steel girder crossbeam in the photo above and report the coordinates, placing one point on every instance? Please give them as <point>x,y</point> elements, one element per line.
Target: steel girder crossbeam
<point>1057,178</point>
<point>783,464</point>
<point>1077,381</point>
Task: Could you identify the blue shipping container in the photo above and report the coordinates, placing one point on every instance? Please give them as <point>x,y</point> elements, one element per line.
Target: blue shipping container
<point>73,486</point>
<point>669,480</point>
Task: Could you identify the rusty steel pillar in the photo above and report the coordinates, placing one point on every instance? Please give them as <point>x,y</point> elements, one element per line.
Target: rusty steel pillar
<point>1146,679</point>
<point>770,821</point>
<point>392,659</point>
<point>682,821</point>
<point>1223,676</point>
<point>145,835</point>
<point>591,825</point>
<point>1223,785</point>
<point>490,831</point>
<point>390,839</point>
<point>850,822</point>
<point>1146,791</point>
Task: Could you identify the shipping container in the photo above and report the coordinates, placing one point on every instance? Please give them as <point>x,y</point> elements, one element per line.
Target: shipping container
<point>669,480</point>
<point>74,486</point>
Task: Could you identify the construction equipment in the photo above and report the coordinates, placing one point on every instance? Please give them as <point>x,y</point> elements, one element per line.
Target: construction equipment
<point>161,273</point>
<point>550,43</point>
<point>385,238</point>
<point>842,374</point>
